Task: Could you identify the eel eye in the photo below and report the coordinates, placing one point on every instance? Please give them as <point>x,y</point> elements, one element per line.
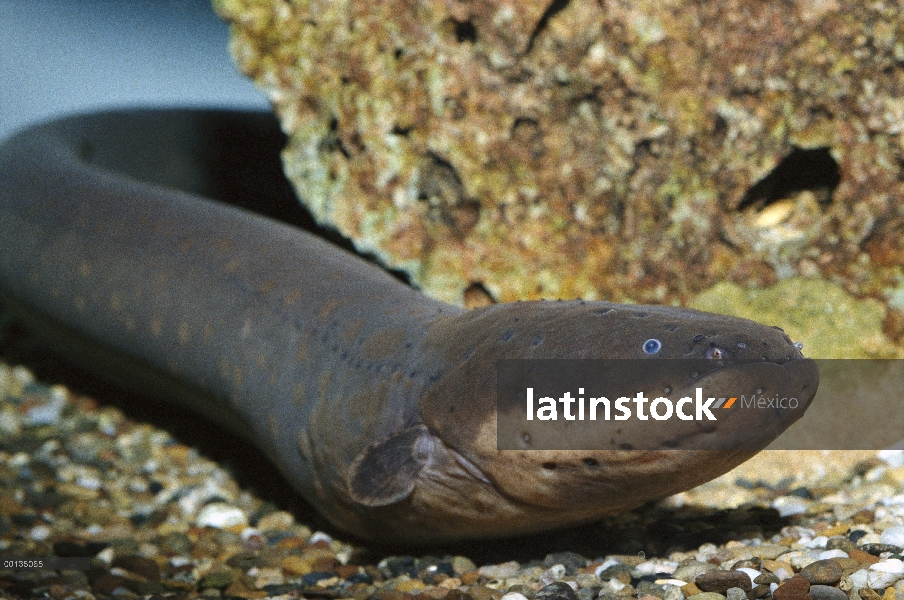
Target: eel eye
<point>652,346</point>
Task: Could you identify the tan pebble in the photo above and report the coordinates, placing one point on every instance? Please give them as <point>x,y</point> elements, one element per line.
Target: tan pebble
<point>435,592</point>
<point>411,585</point>
<point>296,565</point>
<point>705,596</point>
<point>775,565</point>
<point>450,583</point>
<point>889,593</point>
<point>836,530</point>
<point>470,578</point>
<point>690,589</point>
<point>76,491</point>
<point>277,520</point>
<point>240,590</point>
<point>864,517</point>
<point>848,564</point>
<point>481,592</point>
<point>292,542</point>
<point>868,594</point>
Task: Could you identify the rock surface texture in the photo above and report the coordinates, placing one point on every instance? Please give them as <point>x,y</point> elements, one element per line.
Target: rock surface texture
<point>629,151</point>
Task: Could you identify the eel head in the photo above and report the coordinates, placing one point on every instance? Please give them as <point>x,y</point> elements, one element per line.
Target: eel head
<point>445,476</point>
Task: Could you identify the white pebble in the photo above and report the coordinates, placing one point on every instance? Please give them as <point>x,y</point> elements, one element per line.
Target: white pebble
<point>319,536</point>
<point>835,553</point>
<point>553,573</point>
<point>858,578</point>
<point>45,414</point>
<point>788,506</point>
<point>10,422</point>
<point>894,458</point>
<point>885,573</point>
<point>513,596</point>
<point>500,571</point>
<point>889,565</point>
<point>606,564</point>
<point>221,516</point>
<point>894,536</point>
<point>88,482</point>
<point>652,567</point>
<point>881,579</point>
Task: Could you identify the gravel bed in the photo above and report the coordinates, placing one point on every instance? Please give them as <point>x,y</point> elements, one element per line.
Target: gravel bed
<point>160,520</point>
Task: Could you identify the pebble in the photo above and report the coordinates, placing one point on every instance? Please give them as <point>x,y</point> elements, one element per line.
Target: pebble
<point>863,557</point>
<point>689,572</point>
<point>707,596</point>
<point>572,561</point>
<point>720,581</point>
<point>788,506</point>
<point>876,549</point>
<point>858,578</point>
<point>221,516</point>
<point>462,565</point>
<point>796,588</point>
<point>501,571</point>
<point>826,592</point>
<point>893,536</point>
<point>822,572</point>
<point>556,591</point>
<point>885,573</point>
<point>762,551</point>
<point>553,573</point>
<point>735,593</point>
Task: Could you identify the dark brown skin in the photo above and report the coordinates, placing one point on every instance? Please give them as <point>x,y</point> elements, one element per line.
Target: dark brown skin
<point>377,403</point>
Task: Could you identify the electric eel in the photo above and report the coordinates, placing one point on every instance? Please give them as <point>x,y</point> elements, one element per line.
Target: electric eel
<point>377,403</point>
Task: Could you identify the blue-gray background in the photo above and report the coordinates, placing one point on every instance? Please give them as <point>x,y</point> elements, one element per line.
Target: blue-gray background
<point>63,56</point>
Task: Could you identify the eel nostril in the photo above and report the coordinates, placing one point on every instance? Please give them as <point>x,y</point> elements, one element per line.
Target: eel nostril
<point>591,462</point>
<point>549,466</point>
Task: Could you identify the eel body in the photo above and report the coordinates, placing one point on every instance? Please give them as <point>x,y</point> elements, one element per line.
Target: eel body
<point>377,403</point>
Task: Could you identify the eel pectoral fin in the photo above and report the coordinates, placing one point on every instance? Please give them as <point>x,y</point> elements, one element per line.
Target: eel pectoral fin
<point>386,472</point>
